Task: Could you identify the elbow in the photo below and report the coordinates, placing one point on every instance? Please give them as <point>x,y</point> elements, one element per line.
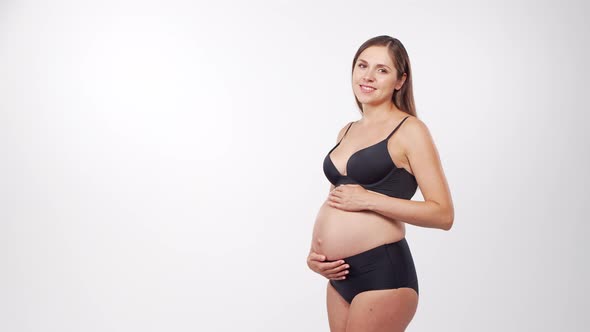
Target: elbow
<point>447,221</point>
<point>447,225</point>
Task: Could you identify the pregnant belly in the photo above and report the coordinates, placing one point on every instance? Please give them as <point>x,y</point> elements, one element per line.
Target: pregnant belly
<point>338,234</point>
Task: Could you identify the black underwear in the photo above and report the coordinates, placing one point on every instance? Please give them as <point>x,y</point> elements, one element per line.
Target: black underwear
<point>387,266</point>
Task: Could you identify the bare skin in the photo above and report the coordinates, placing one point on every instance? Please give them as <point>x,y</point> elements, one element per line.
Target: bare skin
<point>353,219</point>
<point>382,310</point>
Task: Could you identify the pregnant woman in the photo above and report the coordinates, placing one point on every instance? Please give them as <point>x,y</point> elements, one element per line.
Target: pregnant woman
<point>358,240</point>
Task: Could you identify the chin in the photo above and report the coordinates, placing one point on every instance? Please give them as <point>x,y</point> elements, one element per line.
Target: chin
<point>370,101</point>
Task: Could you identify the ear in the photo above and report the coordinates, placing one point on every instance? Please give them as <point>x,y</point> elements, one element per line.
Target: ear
<point>401,82</point>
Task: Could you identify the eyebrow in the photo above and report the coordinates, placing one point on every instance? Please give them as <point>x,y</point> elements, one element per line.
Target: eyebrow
<point>378,65</point>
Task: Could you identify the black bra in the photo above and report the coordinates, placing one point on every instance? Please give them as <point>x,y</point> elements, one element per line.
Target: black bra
<point>373,169</point>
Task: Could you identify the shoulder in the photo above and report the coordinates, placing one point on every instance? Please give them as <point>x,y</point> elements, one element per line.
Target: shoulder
<point>415,134</point>
<point>343,130</point>
<point>414,127</point>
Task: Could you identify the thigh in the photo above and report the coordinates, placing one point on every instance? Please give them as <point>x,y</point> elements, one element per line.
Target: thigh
<point>337,310</point>
<point>388,310</point>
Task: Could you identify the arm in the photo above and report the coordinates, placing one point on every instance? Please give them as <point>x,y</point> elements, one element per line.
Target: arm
<point>437,209</point>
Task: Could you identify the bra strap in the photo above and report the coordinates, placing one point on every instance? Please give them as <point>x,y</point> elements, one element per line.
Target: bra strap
<point>397,127</point>
<point>350,125</point>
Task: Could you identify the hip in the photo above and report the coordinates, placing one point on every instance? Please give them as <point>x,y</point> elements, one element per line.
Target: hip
<point>386,266</point>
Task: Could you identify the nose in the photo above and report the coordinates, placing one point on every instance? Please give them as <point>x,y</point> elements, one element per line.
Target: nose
<point>368,76</point>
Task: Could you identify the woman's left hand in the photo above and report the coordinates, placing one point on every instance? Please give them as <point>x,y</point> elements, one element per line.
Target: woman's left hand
<point>349,197</point>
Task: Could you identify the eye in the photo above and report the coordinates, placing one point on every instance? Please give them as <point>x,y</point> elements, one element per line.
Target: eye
<point>383,70</point>
<point>361,65</point>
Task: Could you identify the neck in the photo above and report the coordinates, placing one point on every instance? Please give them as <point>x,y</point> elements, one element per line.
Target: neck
<point>378,113</point>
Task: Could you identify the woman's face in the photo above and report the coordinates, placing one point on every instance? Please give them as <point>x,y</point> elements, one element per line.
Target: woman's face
<point>374,76</point>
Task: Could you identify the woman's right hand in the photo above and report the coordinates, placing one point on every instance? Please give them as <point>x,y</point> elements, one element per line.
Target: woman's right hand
<point>336,270</point>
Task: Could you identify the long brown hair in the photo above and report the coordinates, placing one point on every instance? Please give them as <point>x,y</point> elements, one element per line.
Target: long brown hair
<point>404,97</point>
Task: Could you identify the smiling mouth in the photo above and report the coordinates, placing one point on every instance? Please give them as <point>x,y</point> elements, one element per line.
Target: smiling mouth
<point>366,88</point>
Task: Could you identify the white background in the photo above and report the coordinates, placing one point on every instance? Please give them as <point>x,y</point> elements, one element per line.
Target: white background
<point>161,161</point>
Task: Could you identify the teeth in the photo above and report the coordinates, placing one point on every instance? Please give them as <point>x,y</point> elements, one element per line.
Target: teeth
<point>367,87</point>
